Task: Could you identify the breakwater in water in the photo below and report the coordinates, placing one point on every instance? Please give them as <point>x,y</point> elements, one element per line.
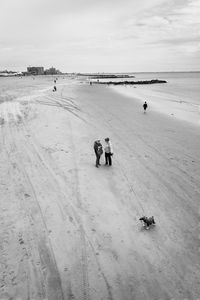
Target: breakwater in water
<point>153,81</point>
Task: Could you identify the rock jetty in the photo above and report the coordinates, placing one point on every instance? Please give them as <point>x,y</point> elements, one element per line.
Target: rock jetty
<point>105,76</point>
<point>153,81</point>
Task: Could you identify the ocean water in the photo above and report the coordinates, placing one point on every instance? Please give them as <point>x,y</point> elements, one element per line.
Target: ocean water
<point>179,97</point>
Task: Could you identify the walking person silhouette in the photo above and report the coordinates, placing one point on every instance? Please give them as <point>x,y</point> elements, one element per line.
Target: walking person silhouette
<point>145,106</point>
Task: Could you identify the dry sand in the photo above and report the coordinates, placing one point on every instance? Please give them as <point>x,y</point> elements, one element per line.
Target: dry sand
<point>71,231</point>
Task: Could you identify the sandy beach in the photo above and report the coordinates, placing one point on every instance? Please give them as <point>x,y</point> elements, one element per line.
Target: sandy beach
<point>178,98</point>
<point>70,230</point>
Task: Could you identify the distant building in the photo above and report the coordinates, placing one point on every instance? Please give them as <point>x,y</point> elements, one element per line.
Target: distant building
<point>52,71</point>
<point>41,71</point>
<point>35,70</point>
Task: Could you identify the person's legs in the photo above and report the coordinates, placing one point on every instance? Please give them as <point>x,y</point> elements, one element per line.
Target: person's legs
<point>110,159</point>
<point>106,158</point>
<point>97,160</point>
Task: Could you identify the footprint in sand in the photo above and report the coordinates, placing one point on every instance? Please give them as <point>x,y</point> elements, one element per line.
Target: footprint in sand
<point>27,195</point>
<point>21,241</point>
<point>2,121</point>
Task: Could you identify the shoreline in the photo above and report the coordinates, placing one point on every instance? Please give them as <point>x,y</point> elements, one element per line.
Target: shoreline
<point>173,106</point>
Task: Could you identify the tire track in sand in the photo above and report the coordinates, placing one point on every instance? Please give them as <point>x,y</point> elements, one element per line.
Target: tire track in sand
<point>47,173</point>
<point>85,240</point>
<point>84,237</point>
<point>43,262</point>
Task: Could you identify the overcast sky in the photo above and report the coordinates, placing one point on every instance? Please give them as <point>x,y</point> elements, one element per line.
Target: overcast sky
<point>103,35</point>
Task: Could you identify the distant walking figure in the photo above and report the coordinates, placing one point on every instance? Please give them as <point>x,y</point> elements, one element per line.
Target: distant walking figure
<point>108,152</point>
<point>145,106</point>
<point>54,89</point>
<point>98,149</point>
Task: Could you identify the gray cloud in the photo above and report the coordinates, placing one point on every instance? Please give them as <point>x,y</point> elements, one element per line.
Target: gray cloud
<point>180,40</point>
<point>69,33</point>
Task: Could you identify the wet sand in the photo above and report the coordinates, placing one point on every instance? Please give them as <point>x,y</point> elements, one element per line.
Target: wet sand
<point>70,230</point>
<point>167,99</point>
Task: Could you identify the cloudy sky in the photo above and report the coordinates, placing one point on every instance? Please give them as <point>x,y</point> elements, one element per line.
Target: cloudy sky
<point>103,35</point>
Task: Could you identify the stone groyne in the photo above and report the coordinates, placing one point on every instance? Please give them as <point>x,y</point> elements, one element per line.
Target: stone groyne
<point>153,81</point>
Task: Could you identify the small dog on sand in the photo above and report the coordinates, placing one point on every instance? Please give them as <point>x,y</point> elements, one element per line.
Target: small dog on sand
<point>147,221</point>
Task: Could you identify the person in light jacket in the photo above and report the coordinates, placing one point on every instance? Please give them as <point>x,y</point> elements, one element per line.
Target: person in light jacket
<point>108,152</point>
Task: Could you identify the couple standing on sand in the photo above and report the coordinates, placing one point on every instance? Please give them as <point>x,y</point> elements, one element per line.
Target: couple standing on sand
<point>98,149</point>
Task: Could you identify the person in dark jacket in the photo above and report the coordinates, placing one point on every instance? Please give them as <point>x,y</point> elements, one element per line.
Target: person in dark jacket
<point>145,106</point>
<point>98,149</point>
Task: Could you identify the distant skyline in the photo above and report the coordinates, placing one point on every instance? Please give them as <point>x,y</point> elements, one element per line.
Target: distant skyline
<point>100,36</point>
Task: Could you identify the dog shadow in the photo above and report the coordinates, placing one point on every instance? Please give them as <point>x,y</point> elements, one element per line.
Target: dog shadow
<point>151,228</point>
